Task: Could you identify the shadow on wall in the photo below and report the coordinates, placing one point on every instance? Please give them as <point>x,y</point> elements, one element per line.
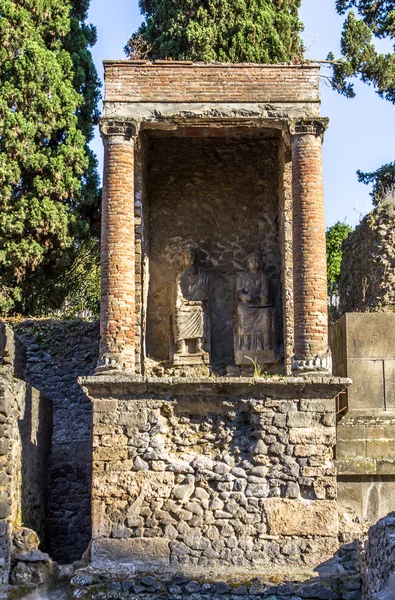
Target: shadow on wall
<point>35,430</point>
<point>57,353</point>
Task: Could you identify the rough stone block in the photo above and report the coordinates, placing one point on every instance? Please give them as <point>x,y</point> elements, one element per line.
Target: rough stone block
<point>313,435</point>
<point>380,432</point>
<point>385,467</point>
<point>105,406</point>
<point>350,431</point>
<point>351,448</point>
<point>294,517</point>
<point>370,335</point>
<point>146,552</point>
<point>356,466</point>
<point>319,405</point>
<point>110,454</point>
<point>389,378</point>
<point>380,448</point>
<point>138,417</point>
<point>367,390</point>
<point>301,419</point>
<point>307,450</point>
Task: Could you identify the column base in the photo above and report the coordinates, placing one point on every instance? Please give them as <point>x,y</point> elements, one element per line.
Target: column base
<point>320,363</point>
<point>111,362</point>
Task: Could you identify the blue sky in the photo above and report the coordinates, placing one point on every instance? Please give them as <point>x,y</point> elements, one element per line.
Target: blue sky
<point>361,132</point>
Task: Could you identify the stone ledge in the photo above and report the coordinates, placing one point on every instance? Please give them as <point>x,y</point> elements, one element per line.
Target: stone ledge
<point>114,384</point>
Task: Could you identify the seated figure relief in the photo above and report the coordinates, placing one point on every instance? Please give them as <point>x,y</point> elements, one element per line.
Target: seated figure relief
<point>255,334</point>
<point>191,329</point>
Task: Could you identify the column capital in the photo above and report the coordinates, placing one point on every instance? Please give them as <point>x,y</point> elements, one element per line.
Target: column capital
<point>120,130</point>
<point>315,127</point>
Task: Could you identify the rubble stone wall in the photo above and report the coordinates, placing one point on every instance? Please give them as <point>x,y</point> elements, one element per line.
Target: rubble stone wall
<point>367,281</point>
<point>25,441</point>
<point>378,560</point>
<point>191,478</point>
<point>56,354</point>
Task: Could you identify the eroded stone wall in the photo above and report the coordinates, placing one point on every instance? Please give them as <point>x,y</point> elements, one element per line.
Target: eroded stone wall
<point>57,353</point>
<point>367,281</point>
<point>191,478</point>
<point>220,195</point>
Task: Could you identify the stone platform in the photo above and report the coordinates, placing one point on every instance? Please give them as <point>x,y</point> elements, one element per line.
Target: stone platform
<point>210,476</point>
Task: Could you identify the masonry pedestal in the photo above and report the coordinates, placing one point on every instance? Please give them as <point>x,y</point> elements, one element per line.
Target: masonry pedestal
<point>363,349</point>
<point>213,477</point>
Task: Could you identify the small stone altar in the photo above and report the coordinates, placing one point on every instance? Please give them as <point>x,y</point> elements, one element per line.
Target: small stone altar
<point>213,402</point>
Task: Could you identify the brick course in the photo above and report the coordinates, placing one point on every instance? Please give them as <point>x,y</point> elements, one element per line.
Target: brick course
<point>170,81</point>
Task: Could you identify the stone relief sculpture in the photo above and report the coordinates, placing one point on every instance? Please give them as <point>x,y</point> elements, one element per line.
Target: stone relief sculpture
<point>191,324</point>
<point>255,334</point>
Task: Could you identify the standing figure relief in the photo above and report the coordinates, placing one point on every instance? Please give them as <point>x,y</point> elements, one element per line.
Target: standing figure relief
<point>255,335</point>
<point>191,323</point>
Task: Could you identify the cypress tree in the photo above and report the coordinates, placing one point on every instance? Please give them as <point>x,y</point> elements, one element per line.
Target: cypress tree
<point>79,40</point>
<point>47,175</point>
<point>259,31</point>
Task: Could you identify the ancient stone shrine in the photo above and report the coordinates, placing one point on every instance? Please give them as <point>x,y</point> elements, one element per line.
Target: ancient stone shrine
<point>213,402</point>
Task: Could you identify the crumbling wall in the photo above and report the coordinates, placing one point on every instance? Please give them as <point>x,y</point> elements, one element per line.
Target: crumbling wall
<point>25,440</point>
<point>57,353</point>
<point>367,281</point>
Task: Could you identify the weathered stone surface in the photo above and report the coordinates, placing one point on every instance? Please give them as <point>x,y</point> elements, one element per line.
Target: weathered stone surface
<point>291,517</point>
<point>135,551</point>
<point>363,349</point>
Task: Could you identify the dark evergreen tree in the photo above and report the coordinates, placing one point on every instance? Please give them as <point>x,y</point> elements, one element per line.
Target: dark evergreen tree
<point>48,180</point>
<point>370,19</point>
<point>79,40</point>
<point>259,31</point>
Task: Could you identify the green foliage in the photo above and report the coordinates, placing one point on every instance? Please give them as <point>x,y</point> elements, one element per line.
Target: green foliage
<point>78,42</point>
<point>72,290</point>
<point>360,55</point>
<point>372,19</point>
<point>259,31</point>
<point>47,176</point>
<point>383,181</point>
<point>335,236</point>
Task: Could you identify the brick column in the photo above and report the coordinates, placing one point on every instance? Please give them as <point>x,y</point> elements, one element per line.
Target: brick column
<point>311,351</point>
<point>117,312</point>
